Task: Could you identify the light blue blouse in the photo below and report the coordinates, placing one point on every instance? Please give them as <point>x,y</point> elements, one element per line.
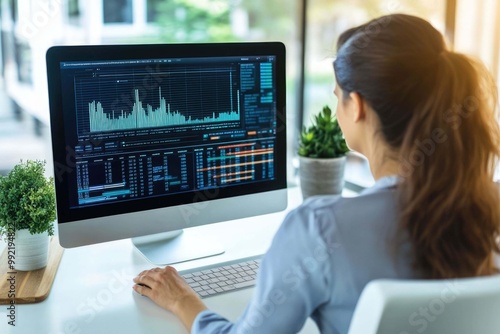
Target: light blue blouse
<point>321,258</point>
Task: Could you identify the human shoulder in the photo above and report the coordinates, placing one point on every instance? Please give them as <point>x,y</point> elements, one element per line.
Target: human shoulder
<point>307,215</point>
<point>321,212</point>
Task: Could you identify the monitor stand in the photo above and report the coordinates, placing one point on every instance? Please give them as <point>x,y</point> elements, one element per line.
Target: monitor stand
<point>176,246</point>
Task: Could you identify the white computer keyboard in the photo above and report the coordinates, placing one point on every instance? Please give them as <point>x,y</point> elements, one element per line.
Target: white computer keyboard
<point>223,277</point>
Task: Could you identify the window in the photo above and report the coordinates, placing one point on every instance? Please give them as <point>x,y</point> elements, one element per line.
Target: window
<point>191,21</point>
<point>13,10</point>
<point>23,56</point>
<point>117,11</point>
<point>74,14</point>
<point>152,10</point>
<point>73,8</point>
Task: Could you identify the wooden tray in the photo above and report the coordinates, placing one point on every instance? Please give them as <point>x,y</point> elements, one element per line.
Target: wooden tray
<point>31,286</point>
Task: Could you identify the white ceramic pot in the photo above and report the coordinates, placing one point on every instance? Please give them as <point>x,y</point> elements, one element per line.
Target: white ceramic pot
<point>32,250</point>
<point>321,176</point>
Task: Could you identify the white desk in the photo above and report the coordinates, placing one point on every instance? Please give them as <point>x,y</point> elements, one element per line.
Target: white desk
<point>92,291</point>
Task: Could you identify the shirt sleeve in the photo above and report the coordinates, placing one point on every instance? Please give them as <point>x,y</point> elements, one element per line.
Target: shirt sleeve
<point>293,281</point>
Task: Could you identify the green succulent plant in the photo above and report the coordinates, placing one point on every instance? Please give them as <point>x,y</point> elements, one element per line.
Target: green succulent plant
<point>27,199</point>
<point>324,138</point>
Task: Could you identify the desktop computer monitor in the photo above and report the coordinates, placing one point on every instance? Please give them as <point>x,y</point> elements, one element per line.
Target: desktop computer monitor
<point>157,138</point>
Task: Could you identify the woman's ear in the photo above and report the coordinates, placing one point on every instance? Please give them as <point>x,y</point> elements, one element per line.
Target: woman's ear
<point>356,107</point>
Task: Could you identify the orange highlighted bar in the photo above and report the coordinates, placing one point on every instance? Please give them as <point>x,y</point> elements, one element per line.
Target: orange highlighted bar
<point>236,179</point>
<point>235,165</point>
<point>254,154</point>
<point>235,145</point>
<point>215,138</point>
<point>251,151</point>
<point>233,174</point>
<point>252,133</point>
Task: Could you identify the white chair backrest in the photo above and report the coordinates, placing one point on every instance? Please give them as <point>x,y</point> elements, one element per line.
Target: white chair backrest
<point>460,306</point>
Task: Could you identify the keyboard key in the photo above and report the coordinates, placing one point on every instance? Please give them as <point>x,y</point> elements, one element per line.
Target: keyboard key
<point>244,284</point>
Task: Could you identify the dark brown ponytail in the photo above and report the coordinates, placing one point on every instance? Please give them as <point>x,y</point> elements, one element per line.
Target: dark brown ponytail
<point>437,109</point>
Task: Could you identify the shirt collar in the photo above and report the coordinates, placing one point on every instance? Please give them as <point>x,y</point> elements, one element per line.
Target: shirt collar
<point>384,182</point>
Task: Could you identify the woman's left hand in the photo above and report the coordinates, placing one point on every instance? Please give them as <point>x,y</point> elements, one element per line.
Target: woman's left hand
<point>167,288</point>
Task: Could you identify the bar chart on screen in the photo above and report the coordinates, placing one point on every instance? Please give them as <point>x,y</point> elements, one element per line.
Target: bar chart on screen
<point>134,100</point>
<point>144,116</point>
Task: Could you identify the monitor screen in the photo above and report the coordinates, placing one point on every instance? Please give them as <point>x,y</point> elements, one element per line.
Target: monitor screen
<point>145,137</point>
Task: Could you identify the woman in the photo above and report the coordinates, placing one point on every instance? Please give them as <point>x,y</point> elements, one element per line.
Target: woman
<point>424,118</point>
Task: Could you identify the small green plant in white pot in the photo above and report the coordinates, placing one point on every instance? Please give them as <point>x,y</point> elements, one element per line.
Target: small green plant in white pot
<point>322,151</point>
<point>27,213</point>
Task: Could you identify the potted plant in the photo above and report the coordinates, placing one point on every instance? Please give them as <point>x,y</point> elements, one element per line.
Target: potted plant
<point>27,213</point>
<point>322,158</point>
